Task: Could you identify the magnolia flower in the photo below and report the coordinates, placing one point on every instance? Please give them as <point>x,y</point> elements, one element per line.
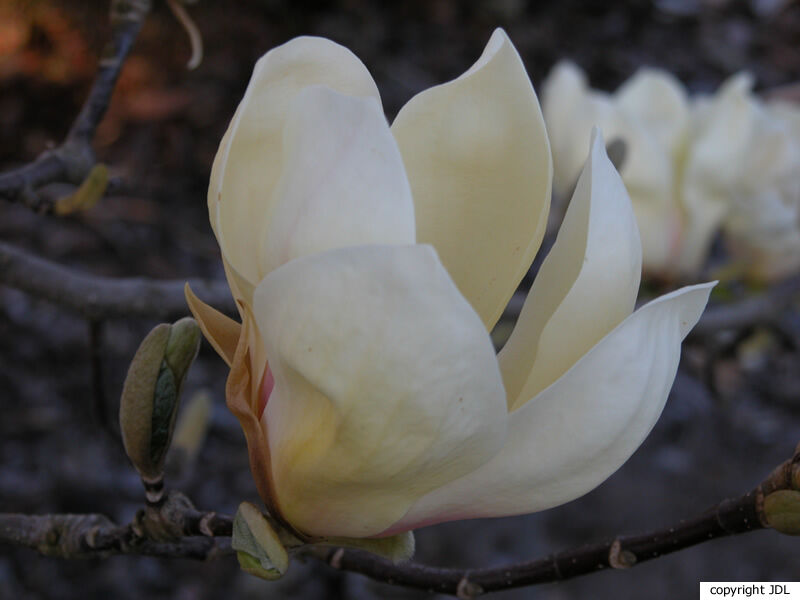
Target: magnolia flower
<point>750,162</point>
<point>693,167</point>
<point>369,264</point>
<point>650,114</point>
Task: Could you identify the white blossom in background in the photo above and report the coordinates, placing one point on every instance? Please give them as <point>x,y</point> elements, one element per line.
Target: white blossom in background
<point>693,167</point>
<point>369,265</point>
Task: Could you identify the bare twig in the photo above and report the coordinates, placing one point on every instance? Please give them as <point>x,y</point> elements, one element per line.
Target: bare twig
<point>172,530</point>
<point>763,309</point>
<point>94,535</point>
<point>96,297</point>
<point>74,158</point>
<point>729,517</point>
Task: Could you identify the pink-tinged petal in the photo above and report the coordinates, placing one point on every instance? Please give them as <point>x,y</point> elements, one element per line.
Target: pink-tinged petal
<point>386,386</point>
<point>576,433</point>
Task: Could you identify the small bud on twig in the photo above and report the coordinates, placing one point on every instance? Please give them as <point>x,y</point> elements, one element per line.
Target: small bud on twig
<point>150,395</point>
<point>782,510</point>
<point>258,546</point>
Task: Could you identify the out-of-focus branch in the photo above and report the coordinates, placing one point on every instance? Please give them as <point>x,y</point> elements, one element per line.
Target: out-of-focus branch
<point>74,158</point>
<point>96,297</point>
<point>175,529</point>
<point>760,310</point>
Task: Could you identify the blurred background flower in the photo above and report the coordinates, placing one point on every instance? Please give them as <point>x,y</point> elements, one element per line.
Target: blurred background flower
<point>693,165</point>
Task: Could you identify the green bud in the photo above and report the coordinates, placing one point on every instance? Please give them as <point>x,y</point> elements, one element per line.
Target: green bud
<point>782,509</point>
<point>258,546</point>
<point>182,346</point>
<point>150,395</point>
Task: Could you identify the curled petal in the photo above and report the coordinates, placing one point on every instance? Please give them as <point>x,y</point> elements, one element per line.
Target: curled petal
<point>251,155</point>
<point>343,182</point>
<point>221,331</point>
<point>386,386</point>
<point>576,433</point>
<point>242,392</point>
<point>571,110</point>
<point>586,286</point>
<point>478,160</point>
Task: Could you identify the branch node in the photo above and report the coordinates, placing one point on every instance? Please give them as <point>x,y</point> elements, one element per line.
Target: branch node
<point>467,590</point>
<point>336,558</point>
<point>619,558</point>
<point>205,524</point>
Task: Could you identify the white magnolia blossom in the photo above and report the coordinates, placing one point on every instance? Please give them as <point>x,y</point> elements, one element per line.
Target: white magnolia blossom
<point>370,263</point>
<point>693,166</point>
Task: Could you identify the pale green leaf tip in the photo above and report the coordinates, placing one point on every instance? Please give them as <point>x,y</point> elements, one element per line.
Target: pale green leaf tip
<point>397,548</point>
<point>782,510</point>
<point>257,544</point>
<point>250,564</point>
<point>182,346</point>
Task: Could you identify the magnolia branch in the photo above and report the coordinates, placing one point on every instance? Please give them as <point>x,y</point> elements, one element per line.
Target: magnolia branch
<point>96,297</point>
<point>729,517</point>
<point>74,158</point>
<point>175,529</point>
<point>763,309</point>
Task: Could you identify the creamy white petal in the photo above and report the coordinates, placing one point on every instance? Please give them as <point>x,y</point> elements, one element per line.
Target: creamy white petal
<point>723,127</point>
<point>386,385</point>
<point>762,225</point>
<point>586,286</point>
<point>251,154</point>
<point>659,101</point>
<point>569,114</point>
<point>478,160</point>
<point>577,432</point>
<point>342,182</point>
<point>571,109</point>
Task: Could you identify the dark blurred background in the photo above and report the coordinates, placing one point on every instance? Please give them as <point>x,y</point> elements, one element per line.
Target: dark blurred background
<point>160,136</point>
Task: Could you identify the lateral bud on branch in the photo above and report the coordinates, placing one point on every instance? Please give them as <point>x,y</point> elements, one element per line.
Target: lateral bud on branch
<point>150,396</point>
<point>782,511</point>
<point>258,546</point>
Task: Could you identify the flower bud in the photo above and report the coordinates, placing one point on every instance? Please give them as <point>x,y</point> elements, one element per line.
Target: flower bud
<point>258,546</point>
<point>782,509</point>
<point>150,394</point>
